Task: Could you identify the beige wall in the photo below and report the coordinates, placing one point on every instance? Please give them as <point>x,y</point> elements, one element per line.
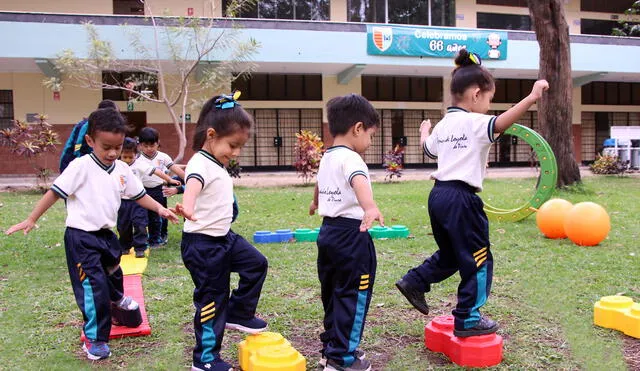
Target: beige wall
<point>338,9</point>
<point>61,6</point>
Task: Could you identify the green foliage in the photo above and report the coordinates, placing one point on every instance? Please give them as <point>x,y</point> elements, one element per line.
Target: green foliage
<point>628,25</point>
<point>308,153</point>
<point>605,164</point>
<point>234,168</point>
<point>30,140</point>
<point>542,294</point>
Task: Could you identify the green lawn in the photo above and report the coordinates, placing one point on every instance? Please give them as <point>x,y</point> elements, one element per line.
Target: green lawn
<point>543,292</point>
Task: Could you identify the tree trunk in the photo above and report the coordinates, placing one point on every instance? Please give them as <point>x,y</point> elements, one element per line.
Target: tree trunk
<point>555,107</point>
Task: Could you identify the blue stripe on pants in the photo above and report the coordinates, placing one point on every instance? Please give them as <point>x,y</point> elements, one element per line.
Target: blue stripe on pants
<point>481,298</point>
<point>91,326</point>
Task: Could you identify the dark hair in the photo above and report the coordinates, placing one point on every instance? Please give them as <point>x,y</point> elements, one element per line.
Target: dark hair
<point>469,72</point>
<point>224,121</point>
<point>107,120</point>
<point>148,135</point>
<point>130,145</point>
<point>345,111</point>
<point>107,104</point>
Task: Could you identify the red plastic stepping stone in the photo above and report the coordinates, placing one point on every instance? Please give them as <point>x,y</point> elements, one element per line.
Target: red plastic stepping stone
<point>132,287</point>
<point>473,351</point>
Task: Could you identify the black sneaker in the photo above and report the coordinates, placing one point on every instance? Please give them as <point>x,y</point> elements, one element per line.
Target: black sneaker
<point>250,326</point>
<point>215,365</point>
<point>357,365</point>
<point>359,354</point>
<point>484,327</point>
<point>139,253</point>
<point>415,296</point>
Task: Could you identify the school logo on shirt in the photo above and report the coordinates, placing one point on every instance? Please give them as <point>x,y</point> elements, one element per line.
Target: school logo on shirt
<point>382,37</point>
<point>458,141</point>
<point>333,195</point>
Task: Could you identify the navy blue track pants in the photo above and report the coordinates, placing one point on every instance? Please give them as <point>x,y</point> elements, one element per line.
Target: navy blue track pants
<point>155,220</point>
<point>93,259</point>
<point>210,260</point>
<point>461,230</point>
<point>347,270</point>
<point>132,226</point>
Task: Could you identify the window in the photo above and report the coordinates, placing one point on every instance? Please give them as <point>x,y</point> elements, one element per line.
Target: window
<point>128,7</point>
<point>518,3</point>
<point>402,88</point>
<point>309,10</point>
<point>611,93</point>
<point>261,86</point>
<point>504,21</point>
<point>609,6</point>
<point>417,12</point>
<point>512,90</point>
<point>138,81</point>
<point>6,108</point>
<point>597,26</point>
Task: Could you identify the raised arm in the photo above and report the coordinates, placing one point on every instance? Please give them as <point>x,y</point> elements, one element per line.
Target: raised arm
<point>512,115</point>
<point>41,207</point>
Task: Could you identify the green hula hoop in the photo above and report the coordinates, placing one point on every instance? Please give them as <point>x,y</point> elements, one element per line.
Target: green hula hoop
<point>546,181</point>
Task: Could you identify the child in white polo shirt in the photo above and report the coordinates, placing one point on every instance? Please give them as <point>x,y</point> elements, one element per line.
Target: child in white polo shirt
<point>461,142</point>
<point>92,186</point>
<point>210,249</point>
<point>346,254</point>
<point>149,140</point>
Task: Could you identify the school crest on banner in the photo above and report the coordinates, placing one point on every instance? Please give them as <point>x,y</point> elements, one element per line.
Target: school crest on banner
<point>382,37</point>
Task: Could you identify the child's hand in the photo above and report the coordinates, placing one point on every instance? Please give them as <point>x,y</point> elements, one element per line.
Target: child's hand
<point>425,127</point>
<point>369,217</point>
<point>26,226</point>
<point>169,191</point>
<point>175,182</point>
<point>168,214</point>
<point>180,210</point>
<point>539,87</point>
<point>313,207</point>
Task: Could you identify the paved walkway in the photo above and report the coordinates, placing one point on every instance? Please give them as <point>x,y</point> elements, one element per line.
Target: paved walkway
<point>286,178</point>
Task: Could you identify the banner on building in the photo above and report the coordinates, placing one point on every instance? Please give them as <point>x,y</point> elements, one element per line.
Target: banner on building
<point>436,42</point>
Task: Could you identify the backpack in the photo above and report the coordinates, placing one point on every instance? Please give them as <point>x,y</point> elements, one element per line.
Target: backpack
<point>76,145</point>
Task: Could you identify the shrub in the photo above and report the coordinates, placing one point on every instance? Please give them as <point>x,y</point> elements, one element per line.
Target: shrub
<point>234,168</point>
<point>605,164</point>
<point>307,152</point>
<point>31,141</point>
<point>392,162</point>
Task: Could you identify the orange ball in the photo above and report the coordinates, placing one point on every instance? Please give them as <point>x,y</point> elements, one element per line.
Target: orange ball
<point>550,217</point>
<point>587,224</point>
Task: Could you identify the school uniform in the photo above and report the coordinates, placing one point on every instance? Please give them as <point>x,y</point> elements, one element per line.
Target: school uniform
<point>346,256</point>
<point>211,251</point>
<point>153,185</point>
<point>92,192</point>
<point>461,143</point>
<point>132,218</point>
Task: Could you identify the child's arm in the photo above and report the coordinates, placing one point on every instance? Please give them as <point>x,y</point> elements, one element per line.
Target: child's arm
<point>425,129</point>
<point>314,203</point>
<point>41,207</point>
<point>192,189</point>
<point>177,170</point>
<point>150,204</point>
<point>165,177</point>
<point>512,115</point>
<point>360,184</point>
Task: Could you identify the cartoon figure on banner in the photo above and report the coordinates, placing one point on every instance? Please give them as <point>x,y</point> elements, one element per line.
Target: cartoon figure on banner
<point>494,42</point>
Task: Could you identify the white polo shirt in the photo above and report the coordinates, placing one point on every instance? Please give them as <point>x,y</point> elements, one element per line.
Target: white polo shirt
<point>160,161</point>
<point>461,142</point>
<point>93,191</point>
<point>336,196</point>
<point>140,169</point>
<point>214,204</point>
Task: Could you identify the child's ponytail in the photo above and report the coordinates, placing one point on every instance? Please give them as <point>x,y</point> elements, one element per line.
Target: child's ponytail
<point>222,113</point>
<point>469,72</point>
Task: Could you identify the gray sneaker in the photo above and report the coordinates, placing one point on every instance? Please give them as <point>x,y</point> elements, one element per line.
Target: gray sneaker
<point>126,303</point>
<point>359,354</point>
<point>358,365</point>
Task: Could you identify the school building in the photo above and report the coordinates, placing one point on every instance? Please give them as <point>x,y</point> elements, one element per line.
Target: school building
<point>397,53</point>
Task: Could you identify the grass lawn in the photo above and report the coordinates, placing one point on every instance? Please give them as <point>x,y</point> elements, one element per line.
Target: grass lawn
<point>543,291</point>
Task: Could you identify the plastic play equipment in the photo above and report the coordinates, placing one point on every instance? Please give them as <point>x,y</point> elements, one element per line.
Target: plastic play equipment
<point>395,231</point>
<point>268,351</point>
<point>587,224</point>
<point>474,351</point>
<point>551,216</point>
<point>546,181</point>
<point>618,313</point>
<point>311,235</point>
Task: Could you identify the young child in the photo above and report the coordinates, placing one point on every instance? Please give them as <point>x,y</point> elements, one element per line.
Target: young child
<point>132,218</point>
<point>149,142</point>
<point>461,143</point>
<point>92,185</point>
<point>210,249</point>
<point>346,255</point>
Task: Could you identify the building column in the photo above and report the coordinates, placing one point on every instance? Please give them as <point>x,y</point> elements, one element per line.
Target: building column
<point>338,11</point>
<point>576,123</point>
